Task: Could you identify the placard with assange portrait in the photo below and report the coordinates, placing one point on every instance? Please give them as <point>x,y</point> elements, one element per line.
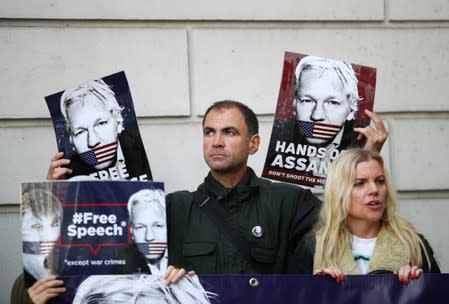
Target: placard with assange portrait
<point>96,128</point>
<point>81,228</point>
<point>321,101</point>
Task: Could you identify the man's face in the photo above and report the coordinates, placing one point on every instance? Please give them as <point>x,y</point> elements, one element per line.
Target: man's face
<point>39,237</point>
<point>226,146</point>
<point>322,99</point>
<point>92,126</point>
<point>149,227</point>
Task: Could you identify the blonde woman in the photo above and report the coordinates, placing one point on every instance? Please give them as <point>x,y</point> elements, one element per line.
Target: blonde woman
<point>359,230</point>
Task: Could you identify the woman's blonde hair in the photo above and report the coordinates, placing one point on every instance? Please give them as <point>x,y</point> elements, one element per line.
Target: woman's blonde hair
<point>332,225</point>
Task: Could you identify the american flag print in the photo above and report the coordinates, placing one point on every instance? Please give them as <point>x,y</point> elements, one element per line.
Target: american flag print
<point>152,248</point>
<point>318,130</point>
<point>42,248</point>
<point>100,155</point>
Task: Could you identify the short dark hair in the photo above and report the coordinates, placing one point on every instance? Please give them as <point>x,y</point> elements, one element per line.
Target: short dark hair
<point>250,118</point>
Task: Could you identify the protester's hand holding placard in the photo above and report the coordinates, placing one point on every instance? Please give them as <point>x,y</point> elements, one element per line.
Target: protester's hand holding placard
<point>93,227</point>
<point>96,128</point>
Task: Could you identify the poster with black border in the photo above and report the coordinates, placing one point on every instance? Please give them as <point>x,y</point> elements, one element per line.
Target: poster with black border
<point>80,228</point>
<point>96,128</point>
<point>321,101</point>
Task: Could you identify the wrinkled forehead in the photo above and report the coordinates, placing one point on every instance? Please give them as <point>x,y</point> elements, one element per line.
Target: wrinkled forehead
<point>152,206</point>
<point>88,102</point>
<point>225,118</point>
<point>326,74</point>
<point>324,81</point>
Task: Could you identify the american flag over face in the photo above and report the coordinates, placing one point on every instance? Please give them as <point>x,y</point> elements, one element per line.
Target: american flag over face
<point>318,130</point>
<point>152,248</point>
<point>100,155</point>
<point>41,248</point>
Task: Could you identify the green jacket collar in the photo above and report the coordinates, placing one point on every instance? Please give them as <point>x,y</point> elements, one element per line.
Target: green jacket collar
<point>245,188</point>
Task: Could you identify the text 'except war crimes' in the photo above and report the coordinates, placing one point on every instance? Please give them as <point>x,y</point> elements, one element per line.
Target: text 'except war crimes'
<point>84,263</point>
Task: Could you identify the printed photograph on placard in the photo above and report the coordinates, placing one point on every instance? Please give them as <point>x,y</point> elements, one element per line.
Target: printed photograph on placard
<point>321,101</point>
<point>133,288</point>
<point>93,227</point>
<point>96,128</point>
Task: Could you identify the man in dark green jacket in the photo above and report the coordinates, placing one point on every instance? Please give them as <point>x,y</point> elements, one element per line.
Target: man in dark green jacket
<point>269,218</point>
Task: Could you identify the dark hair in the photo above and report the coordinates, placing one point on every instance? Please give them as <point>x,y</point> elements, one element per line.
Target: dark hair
<point>250,118</point>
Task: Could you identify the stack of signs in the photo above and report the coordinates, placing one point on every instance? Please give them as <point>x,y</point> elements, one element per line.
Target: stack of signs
<point>75,229</point>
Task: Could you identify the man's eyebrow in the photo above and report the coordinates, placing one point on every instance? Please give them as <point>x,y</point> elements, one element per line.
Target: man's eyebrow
<point>225,129</point>
<point>308,96</point>
<point>231,128</point>
<point>326,98</point>
<point>99,119</point>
